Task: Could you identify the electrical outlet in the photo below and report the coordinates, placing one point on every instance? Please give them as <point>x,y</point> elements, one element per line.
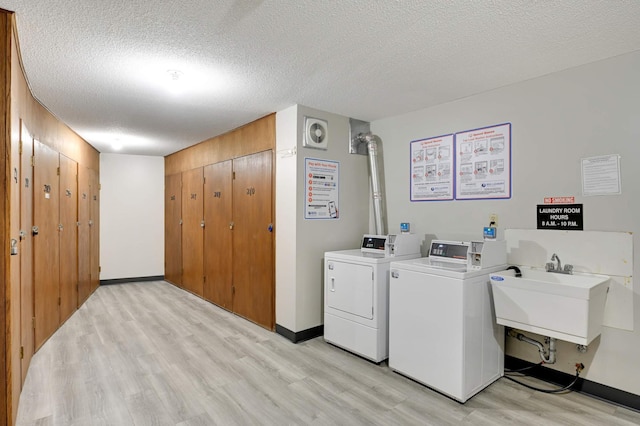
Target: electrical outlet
<point>493,218</point>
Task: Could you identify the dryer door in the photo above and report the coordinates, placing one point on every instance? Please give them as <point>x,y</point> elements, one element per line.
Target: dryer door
<point>349,288</point>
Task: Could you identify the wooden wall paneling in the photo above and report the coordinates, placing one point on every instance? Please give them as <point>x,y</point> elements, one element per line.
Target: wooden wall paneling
<point>26,251</point>
<point>84,238</point>
<point>45,243</point>
<point>253,137</point>
<point>253,254</point>
<point>12,307</point>
<point>10,377</point>
<point>5,274</point>
<point>173,229</point>
<point>18,105</point>
<point>218,217</point>
<point>192,231</point>
<point>68,237</point>
<point>94,229</point>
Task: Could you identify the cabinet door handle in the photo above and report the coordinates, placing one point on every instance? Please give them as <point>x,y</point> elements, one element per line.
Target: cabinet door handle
<point>333,284</point>
<point>231,224</point>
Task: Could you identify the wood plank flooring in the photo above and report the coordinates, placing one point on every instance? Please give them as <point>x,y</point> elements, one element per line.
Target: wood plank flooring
<point>152,354</point>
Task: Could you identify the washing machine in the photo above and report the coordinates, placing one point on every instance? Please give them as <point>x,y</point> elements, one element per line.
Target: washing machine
<point>356,293</point>
<point>442,329</point>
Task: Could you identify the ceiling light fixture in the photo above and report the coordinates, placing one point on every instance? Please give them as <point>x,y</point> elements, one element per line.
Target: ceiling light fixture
<point>175,75</point>
<point>176,81</point>
<point>116,145</point>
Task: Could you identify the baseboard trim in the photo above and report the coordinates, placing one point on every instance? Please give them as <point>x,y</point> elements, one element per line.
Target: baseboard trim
<point>132,280</point>
<point>300,336</point>
<point>596,390</point>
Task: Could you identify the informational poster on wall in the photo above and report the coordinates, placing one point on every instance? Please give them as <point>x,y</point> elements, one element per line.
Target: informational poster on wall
<point>601,175</point>
<point>483,163</point>
<point>322,189</point>
<point>432,169</point>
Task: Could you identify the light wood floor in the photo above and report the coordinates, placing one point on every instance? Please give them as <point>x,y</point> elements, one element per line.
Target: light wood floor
<point>151,354</point>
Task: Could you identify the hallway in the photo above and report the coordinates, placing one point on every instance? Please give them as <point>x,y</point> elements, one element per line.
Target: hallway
<point>152,354</point>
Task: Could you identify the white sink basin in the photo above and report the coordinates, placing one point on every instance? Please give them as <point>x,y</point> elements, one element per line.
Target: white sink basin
<point>566,307</point>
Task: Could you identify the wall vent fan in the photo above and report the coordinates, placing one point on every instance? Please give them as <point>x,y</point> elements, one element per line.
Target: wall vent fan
<point>315,133</point>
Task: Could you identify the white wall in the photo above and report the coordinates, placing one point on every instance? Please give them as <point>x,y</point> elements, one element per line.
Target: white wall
<point>131,216</point>
<point>300,243</point>
<point>556,120</point>
<point>286,214</point>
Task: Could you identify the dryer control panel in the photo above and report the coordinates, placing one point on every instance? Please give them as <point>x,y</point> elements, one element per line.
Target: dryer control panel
<point>391,245</point>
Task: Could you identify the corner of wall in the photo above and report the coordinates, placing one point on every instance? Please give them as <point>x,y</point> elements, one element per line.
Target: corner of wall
<point>285,190</point>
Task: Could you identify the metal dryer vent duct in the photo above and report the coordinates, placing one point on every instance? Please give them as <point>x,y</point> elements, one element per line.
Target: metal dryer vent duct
<point>370,141</point>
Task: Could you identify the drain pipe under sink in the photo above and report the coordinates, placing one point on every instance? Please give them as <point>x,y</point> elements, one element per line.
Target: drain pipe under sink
<point>551,359</point>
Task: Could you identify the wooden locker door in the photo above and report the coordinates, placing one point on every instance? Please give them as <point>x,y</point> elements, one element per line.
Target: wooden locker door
<point>192,231</point>
<point>253,259</point>
<point>173,229</point>
<point>46,255</point>
<point>218,247</point>
<point>26,252</point>
<point>84,238</point>
<point>94,229</point>
<point>68,237</point>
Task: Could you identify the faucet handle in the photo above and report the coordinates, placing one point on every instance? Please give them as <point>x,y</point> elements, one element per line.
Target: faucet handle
<point>550,266</point>
<point>568,269</point>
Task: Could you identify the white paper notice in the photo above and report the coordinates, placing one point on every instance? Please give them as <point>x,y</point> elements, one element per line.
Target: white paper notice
<point>483,163</point>
<point>601,175</point>
<point>432,169</point>
<point>322,184</point>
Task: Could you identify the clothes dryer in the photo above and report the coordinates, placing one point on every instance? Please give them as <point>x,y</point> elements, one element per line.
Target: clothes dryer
<point>356,296</point>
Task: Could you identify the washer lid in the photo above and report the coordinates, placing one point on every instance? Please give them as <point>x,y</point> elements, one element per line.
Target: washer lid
<point>429,263</point>
<point>450,266</point>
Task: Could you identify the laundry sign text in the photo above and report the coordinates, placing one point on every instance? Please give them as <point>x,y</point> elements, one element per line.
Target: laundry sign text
<point>568,217</point>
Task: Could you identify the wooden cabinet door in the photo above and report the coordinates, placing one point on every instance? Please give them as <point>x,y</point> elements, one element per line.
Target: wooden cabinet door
<point>46,255</point>
<point>26,252</point>
<point>253,272</point>
<point>217,233</point>
<point>94,230</point>
<point>84,238</point>
<point>68,231</point>
<point>192,231</point>
<point>173,229</point>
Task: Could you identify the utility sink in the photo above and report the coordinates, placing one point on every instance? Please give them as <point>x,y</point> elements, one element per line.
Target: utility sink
<point>563,306</point>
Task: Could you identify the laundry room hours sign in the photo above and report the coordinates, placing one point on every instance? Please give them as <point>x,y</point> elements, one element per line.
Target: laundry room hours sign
<point>567,217</point>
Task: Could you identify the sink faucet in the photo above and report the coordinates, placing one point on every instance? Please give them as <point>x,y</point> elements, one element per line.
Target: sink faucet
<point>557,267</point>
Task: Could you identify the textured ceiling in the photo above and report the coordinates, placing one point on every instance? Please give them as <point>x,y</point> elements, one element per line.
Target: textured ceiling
<point>100,65</point>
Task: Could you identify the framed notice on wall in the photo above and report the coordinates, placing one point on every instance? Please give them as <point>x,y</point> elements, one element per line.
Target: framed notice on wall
<point>322,189</point>
<point>432,170</point>
<point>483,163</point>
